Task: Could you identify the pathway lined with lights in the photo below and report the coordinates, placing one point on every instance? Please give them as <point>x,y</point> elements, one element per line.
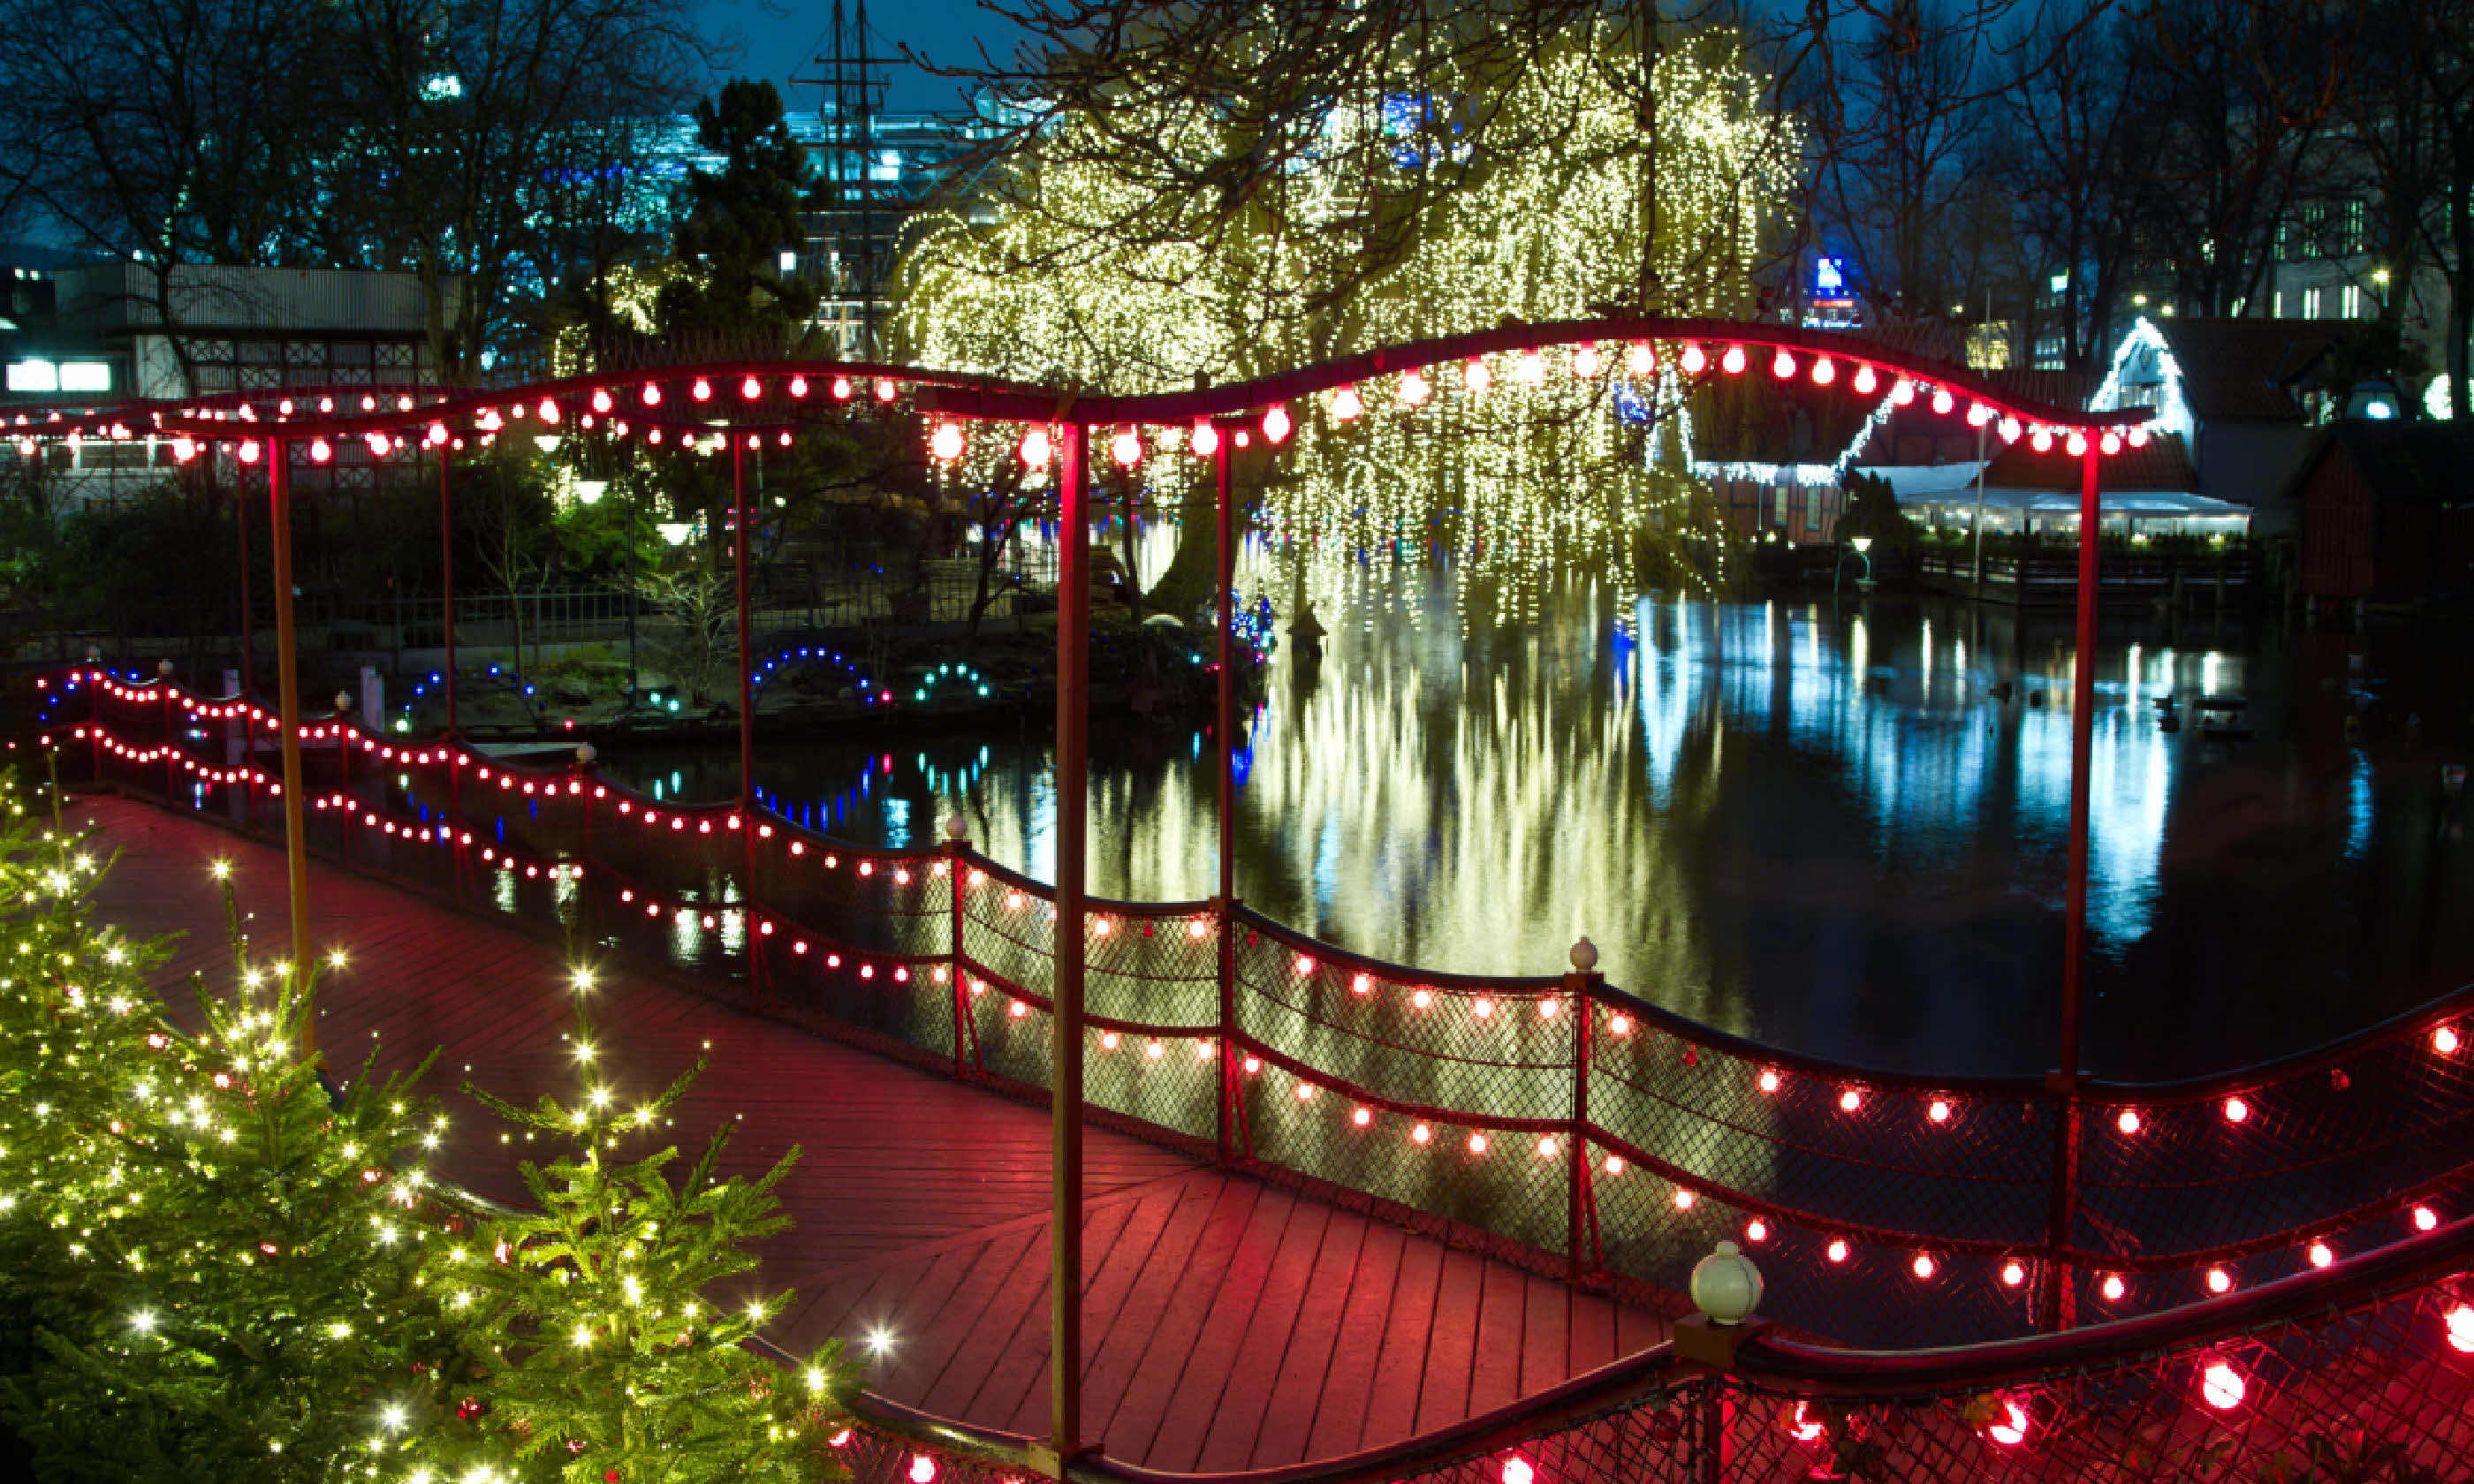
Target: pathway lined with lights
<point>1231,1324</point>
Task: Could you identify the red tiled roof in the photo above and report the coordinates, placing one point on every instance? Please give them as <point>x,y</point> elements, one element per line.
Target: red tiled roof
<point>2163,464</point>
<point>2053,387</point>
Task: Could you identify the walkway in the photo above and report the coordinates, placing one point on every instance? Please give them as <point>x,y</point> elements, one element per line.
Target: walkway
<point>1229,1325</point>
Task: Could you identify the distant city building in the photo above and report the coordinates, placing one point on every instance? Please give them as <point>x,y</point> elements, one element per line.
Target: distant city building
<point>97,332</point>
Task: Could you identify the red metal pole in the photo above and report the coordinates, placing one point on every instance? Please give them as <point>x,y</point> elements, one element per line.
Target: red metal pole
<point>747,675</point>
<point>296,830</point>
<point>171,763</point>
<point>1065,1109</point>
<point>740,521</point>
<point>248,636</point>
<point>1225,565</point>
<point>957,848</point>
<point>1585,1010</point>
<point>2057,1303</point>
<point>446,578</point>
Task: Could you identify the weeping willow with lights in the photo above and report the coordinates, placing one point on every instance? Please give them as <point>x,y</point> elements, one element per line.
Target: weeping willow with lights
<point>1067,271</point>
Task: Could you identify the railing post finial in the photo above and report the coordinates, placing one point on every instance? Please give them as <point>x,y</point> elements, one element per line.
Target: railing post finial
<point>1584,955</point>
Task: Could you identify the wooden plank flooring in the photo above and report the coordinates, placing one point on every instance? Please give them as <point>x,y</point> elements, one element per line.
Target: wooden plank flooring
<point>1229,1325</point>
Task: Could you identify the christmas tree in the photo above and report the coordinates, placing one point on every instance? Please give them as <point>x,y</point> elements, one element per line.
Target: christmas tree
<point>214,1265</point>
<point>612,1354</point>
<point>220,1258</point>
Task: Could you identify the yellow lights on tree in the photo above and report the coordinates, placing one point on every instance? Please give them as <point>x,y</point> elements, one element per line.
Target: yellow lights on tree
<point>1074,269</point>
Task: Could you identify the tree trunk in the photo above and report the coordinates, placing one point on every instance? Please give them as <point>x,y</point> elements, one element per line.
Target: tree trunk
<point>2461,278</point>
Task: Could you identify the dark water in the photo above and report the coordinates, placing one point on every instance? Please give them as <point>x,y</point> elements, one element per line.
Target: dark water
<point>1805,822</point>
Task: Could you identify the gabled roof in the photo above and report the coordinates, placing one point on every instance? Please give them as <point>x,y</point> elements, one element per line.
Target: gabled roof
<point>2163,464</point>
<point>2245,369</point>
<point>2409,461</point>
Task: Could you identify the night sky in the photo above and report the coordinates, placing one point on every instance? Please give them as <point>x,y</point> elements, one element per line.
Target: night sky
<point>775,38</point>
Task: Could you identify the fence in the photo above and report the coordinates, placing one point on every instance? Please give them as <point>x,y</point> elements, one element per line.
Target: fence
<point>1558,1122</point>
<point>2356,1374</point>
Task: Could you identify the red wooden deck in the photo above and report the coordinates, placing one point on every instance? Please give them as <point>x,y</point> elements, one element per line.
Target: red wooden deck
<point>1229,1325</point>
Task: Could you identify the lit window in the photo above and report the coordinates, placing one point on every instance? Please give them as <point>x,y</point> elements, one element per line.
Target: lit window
<point>33,376</point>
<point>2353,302</point>
<point>2310,304</point>
<point>86,376</point>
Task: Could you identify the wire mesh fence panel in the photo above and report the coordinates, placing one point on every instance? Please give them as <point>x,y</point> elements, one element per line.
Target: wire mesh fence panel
<point>2271,1162</point>
<point>1009,1036</point>
<point>1819,1280</point>
<point>1512,1182</point>
<point>1169,1081</point>
<point>1498,1052</point>
<point>1153,966</point>
<point>1863,1154</point>
<point>1009,930</point>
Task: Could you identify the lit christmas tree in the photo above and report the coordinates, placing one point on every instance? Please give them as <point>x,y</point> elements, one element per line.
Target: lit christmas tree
<point>611,1355</point>
<point>218,1258</point>
<point>223,1270</point>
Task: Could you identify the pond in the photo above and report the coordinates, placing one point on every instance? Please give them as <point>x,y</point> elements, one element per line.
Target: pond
<point>1819,823</point>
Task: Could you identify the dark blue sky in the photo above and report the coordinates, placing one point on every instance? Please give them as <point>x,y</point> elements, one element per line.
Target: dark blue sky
<point>776,38</point>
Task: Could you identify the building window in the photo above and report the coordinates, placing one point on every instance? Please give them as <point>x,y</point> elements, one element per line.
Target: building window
<point>2352,299</point>
<point>2276,305</point>
<point>2310,304</point>
<point>2349,232</point>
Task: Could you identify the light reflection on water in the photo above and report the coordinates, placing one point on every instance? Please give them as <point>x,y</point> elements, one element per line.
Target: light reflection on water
<point>1807,822</point>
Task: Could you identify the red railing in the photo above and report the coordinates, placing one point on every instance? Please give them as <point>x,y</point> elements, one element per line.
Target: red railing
<point>1557,1122</point>
<point>2356,1374</point>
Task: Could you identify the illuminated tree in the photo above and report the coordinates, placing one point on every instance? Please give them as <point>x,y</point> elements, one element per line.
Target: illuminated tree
<point>1048,282</point>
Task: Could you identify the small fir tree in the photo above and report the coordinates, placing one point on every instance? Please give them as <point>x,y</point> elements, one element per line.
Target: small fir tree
<point>613,1358</point>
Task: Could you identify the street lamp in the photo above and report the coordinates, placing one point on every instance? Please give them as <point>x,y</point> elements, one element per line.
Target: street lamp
<point>1862,546</point>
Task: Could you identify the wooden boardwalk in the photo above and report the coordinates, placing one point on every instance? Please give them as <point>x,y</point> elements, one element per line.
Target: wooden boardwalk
<point>1229,1325</point>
